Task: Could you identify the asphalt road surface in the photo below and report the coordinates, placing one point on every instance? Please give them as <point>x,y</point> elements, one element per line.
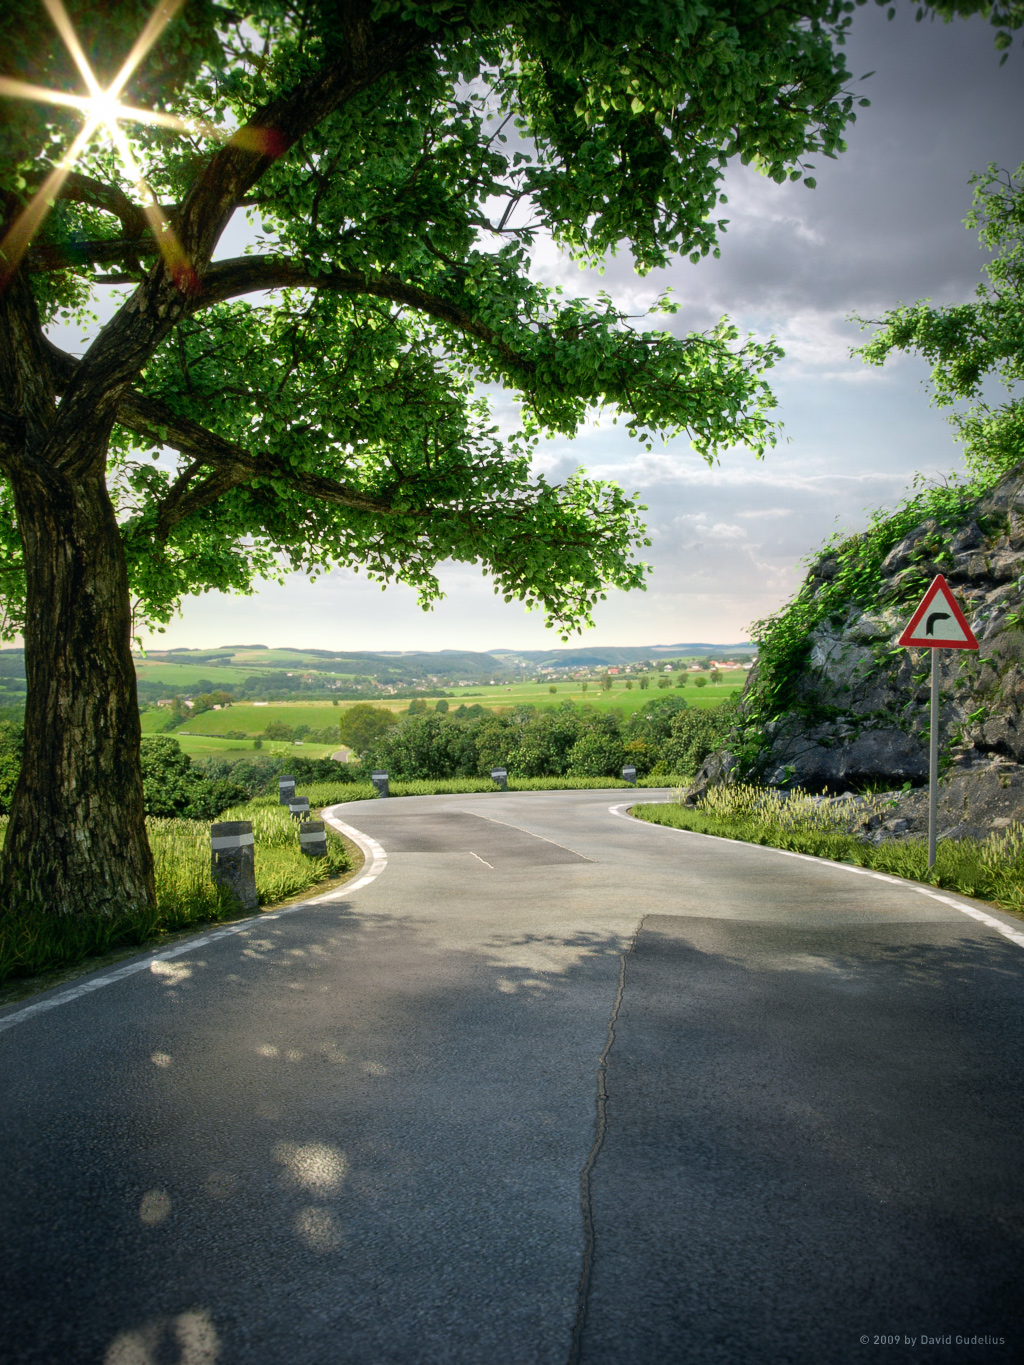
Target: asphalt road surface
<point>549,1086</point>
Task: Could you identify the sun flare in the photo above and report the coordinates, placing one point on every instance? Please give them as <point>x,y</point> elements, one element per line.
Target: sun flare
<point>101,110</point>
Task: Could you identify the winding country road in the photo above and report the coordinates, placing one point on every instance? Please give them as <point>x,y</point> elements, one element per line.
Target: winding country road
<point>544,1084</point>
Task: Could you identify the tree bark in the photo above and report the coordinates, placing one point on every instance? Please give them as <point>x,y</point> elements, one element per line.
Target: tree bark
<point>76,843</point>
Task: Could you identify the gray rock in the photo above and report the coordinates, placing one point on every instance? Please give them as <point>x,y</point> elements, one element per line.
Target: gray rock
<point>860,714</point>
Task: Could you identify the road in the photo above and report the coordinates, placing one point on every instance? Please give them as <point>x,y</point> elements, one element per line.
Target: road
<point>544,1085</point>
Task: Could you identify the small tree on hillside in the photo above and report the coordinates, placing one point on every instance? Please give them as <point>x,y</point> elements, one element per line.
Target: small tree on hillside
<point>362,725</point>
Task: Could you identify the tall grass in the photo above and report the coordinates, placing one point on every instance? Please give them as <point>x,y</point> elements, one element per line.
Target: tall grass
<point>186,896</point>
<point>990,869</point>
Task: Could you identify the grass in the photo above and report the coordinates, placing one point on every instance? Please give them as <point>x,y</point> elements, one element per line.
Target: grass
<point>331,793</point>
<point>187,675</point>
<point>186,897</point>
<point>617,698</point>
<point>989,869</point>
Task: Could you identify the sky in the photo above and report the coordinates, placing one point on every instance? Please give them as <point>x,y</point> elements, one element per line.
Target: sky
<point>885,224</point>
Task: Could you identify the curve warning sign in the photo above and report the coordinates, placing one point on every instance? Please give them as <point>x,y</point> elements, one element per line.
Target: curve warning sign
<point>938,622</point>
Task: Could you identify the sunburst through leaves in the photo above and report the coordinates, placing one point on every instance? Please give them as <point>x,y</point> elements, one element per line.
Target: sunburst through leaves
<point>102,112</point>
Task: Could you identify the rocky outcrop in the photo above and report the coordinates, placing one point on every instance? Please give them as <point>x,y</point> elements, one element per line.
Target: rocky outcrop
<point>859,715</point>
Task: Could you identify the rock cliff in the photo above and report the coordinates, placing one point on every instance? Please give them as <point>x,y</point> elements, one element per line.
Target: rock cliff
<point>855,713</point>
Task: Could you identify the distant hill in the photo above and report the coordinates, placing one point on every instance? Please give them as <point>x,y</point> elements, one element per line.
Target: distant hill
<point>594,656</point>
<point>256,670</point>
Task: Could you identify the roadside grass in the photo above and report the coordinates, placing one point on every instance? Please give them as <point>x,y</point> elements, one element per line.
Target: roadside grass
<point>989,869</point>
<point>186,896</point>
<point>331,793</point>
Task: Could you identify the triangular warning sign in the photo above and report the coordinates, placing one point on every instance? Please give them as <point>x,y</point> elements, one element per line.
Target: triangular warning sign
<point>938,622</point>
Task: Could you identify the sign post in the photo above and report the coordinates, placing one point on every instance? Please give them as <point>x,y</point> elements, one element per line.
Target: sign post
<point>937,624</point>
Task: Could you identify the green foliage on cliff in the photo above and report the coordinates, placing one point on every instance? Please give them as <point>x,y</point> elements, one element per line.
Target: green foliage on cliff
<point>965,344</point>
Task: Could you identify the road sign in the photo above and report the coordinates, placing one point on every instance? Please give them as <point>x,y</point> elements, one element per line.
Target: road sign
<point>938,622</point>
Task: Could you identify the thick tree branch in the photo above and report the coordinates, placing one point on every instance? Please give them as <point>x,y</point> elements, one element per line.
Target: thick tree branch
<point>251,274</point>
<point>85,189</point>
<point>46,257</point>
<point>232,463</point>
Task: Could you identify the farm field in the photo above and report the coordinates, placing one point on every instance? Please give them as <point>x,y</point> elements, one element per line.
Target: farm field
<point>216,746</point>
<point>253,719</point>
<point>619,698</point>
<point>187,675</point>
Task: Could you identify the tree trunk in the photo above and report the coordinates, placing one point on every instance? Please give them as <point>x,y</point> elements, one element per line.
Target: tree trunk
<point>76,843</point>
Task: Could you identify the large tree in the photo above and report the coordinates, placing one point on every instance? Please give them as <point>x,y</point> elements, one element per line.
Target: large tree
<point>321,399</point>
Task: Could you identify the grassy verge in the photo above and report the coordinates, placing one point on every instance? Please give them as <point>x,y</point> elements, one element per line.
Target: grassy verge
<point>989,869</point>
<point>329,793</point>
<point>186,895</point>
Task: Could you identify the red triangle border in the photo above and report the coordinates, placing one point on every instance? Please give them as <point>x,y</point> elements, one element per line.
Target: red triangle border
<point>937,585</point>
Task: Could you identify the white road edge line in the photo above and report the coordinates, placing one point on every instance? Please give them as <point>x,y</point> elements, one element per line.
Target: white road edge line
<point>1014,935</point>
<point>371,850</point>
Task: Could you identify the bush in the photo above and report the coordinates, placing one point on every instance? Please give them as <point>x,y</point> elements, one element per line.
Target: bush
<point>694,736</point>
<point>426,746</point>
<point>596,753</point>
<point>174,788</point>
<point>12,740</point>
<point>258,776</point>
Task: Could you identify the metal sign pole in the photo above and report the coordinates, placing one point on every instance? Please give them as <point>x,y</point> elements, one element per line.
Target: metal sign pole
<point>933,762</point>
<point>926,629</point>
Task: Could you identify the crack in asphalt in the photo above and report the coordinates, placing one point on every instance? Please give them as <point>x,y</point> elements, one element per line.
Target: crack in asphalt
<point>587,1174</point>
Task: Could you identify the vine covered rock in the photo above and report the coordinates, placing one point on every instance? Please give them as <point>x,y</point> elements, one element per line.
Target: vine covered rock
<point>835,703</point>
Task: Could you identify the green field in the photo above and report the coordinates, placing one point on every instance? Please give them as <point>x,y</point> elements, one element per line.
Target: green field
<point>186,675</point>
<point>216,746</point>
<point>253,719</point>
<point>619,697</point>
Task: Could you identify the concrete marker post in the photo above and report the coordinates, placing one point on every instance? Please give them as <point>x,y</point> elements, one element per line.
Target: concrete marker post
<point>499,776</point>
<point>629,774</point>
<point>313,838</point>
<point>379,778</point>
<point>298,807</point>
<point>285,790</point>
<point>233,860</point>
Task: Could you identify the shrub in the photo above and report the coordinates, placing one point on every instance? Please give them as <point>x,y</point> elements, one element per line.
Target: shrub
<point>12,739</point>
<point>597,753</point>
<point>693,737</point>
<point>173,787</point>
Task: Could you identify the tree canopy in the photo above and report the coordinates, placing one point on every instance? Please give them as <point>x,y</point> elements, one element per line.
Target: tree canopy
<point>967,343</point>
<point>317,400</point>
